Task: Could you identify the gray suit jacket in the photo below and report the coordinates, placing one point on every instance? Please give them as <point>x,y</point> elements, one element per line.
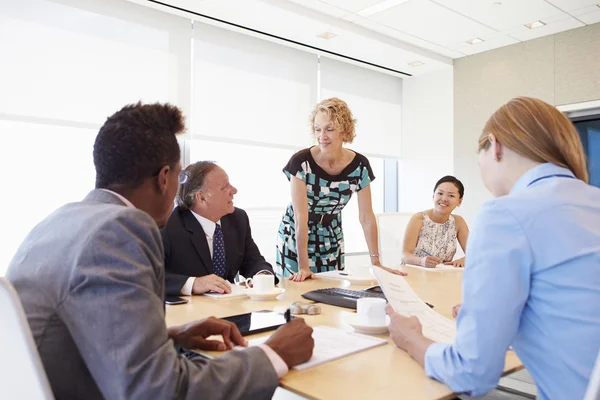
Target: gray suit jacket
<point>91,280</point>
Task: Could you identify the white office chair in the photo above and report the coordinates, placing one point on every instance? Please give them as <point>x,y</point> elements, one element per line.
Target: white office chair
<point>22,375</point>
<point>593,389</point>
<point>390,228</point>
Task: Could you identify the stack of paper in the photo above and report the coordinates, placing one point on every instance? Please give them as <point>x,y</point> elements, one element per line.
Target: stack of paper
<point>405,301</point>
<point>350,276</point>
<point>236,291</point>
<point>331,344</point>
<point>439,267</point>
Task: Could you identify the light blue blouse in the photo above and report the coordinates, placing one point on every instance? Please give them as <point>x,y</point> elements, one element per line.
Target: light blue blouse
<point>532,280</point>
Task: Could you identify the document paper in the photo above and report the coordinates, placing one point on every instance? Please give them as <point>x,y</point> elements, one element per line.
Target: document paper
<point>405,301</point>
<point>331,344</point>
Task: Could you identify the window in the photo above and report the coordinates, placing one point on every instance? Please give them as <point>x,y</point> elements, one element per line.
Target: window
<point>246,100</point>
<point>41,174</point>
<point>263,189</point>
<point>589,132</point>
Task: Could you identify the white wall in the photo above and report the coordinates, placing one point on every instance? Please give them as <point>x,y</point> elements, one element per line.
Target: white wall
<point>559,69</point>
<point>427,137</point>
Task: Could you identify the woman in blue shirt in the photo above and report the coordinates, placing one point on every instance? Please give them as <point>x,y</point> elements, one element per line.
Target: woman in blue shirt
<point>532,275</point>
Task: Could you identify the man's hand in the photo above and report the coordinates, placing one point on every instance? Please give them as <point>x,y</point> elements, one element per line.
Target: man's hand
<point>302,275</point>
<point>293,342</point>
<point>210,283</point>
<point>193,335</point>
<point>430,261</point>
<point>460,263</point>
<point>407,333</point>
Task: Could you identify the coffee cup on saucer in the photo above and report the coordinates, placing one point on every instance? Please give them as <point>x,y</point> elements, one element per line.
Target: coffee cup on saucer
<point>261,283</point>
<point>371,311</point>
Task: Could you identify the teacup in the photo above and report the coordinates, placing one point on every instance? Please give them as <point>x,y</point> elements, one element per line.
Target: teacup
<point>371,311</point>
<point>261,283</point>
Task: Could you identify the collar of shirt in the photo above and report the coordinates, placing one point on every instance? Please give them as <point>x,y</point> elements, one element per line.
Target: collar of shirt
<point>207,225</point>
<point>122,198</point>
<point>542,170</point>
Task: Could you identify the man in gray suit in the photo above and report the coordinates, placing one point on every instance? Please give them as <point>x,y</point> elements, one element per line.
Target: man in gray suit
<point>91,280</point>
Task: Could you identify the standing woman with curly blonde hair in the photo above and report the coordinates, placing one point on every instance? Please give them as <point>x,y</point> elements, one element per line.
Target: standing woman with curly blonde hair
<point>323,179</point>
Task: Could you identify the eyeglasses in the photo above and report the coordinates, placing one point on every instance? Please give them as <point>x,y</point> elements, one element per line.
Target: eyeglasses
<point>183,177</point>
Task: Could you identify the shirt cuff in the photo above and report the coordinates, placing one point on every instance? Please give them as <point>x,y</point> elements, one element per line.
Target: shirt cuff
<point>186,290</point>
<point>280,366</point>
<point>433,356</point>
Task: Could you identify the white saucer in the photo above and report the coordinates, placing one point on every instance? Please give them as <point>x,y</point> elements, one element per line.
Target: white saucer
<point>360,327</point>
<point>264,295</point>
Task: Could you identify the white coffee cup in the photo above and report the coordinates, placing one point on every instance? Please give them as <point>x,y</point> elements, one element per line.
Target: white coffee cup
<point>371,311</point>
<point>262,283</point>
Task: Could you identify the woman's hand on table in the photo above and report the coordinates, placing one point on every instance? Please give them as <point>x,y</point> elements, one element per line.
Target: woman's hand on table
<point>390,270</point>
<point>302,274</point>
<point>430,261</point>
<point>460,263</point>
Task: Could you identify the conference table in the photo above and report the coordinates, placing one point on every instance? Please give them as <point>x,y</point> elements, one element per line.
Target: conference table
<point>380,372</point>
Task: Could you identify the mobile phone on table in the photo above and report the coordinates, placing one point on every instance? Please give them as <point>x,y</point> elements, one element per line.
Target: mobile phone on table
<point>258,321</point>
<point>172,300</point>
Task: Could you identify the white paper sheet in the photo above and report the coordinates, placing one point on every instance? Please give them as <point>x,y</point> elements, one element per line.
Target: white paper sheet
<point>347,275</point>
<point>236,291</point>
<point>405,301</point>
<point>331,344</point>
<point>439,267</point>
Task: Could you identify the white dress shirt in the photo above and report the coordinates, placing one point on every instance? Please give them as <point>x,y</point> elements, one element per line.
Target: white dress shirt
<point>209,230</point>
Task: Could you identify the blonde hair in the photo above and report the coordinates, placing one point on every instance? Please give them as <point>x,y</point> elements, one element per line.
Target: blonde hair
<point>339,114</point>
<point>538,131</point>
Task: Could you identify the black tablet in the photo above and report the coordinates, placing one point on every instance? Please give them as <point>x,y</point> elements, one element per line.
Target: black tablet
<point>257,321</point>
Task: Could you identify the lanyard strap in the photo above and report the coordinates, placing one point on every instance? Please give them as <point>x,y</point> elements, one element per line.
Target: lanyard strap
<point>551,176</point>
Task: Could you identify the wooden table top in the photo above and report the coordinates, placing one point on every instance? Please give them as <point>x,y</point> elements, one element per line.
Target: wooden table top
<point>380,372</point>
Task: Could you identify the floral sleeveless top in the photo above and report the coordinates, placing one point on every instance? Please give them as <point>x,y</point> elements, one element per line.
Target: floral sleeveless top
<point>439,240</point>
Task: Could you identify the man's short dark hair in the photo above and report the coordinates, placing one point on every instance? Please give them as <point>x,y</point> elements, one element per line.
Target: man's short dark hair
<point>135,143</point>
<point>196,174</point>
<point>453,180</point>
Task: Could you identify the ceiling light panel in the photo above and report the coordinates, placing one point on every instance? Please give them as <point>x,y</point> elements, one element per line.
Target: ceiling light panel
<point>380,7</point>
<point>535,24</point>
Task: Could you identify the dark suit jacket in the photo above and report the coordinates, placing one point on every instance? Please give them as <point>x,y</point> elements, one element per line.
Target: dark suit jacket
<point>187,253</point>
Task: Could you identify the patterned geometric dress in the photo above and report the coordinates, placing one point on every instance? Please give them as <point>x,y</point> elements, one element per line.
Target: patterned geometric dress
<point>438,240</point>
<point>327,196</point>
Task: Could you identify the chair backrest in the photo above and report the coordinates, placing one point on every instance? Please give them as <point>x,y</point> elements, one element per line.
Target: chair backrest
<point>593,389</point>
<point>390,228</point>
<point>22,374</point>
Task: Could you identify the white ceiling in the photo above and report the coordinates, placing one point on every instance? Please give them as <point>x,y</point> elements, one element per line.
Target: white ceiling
<point>444,26</point>
<point>395,32</point>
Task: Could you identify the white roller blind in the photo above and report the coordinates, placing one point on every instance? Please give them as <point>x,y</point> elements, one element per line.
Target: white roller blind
<point>83,60</point>
<point>375,99</point>
<point>250,89</point>
<point>64,67</point>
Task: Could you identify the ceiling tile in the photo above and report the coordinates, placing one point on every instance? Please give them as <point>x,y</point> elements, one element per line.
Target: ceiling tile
<point>571,5</point>
<point>322,7</point>
<point>352,5</point>
<point>431,22</point>
<point>386,30</point>
<point>549,29</point>
<point>585,10</point>
<point>502,17</point>
<point>590,18</point>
